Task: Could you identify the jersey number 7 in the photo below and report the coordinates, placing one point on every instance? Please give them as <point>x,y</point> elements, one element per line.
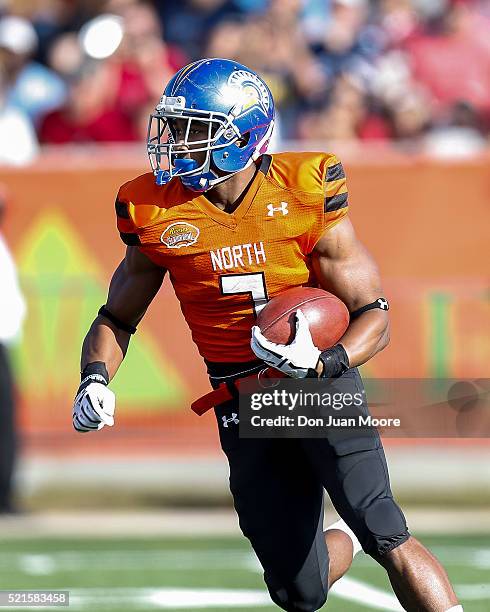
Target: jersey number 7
<point>252,283</point>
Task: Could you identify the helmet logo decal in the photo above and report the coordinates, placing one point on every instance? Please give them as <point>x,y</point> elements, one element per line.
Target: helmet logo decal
<point>180,234</point>
<point>253,92</point>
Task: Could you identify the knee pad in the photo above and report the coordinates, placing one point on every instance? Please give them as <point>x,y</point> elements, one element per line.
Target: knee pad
<point>374,516</point>
<point>296,599</point>
<point>386,526</point>
<point>311,604</point>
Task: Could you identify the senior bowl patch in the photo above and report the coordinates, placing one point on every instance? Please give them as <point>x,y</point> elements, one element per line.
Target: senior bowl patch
<point>179,234</point>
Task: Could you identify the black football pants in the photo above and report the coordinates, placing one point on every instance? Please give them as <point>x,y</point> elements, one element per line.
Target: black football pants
<point>278,486</point>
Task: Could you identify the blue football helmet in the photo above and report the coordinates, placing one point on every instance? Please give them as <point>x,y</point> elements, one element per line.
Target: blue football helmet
<point>237,107</point>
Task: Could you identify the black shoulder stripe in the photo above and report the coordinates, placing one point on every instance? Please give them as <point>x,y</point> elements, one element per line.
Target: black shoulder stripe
<point>265,164</point>
<point>335,173</point>
<point>130,239</point>
<point>335,202</point>
<point>122,209</point>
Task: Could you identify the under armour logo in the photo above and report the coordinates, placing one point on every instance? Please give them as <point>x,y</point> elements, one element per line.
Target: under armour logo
<point>232,419</point>
<point>272,209</point>
<point>383,304</point>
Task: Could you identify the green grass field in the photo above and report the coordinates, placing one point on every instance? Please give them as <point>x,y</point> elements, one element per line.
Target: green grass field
<point>123,575</point>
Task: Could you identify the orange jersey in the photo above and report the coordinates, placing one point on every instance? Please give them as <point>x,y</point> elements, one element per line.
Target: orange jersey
<point>225,266</point>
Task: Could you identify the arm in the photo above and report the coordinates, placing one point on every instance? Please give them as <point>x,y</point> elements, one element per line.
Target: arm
<point>134,284</point>
<point>344,267</point>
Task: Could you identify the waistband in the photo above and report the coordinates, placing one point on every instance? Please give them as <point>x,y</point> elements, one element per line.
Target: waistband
<point>223,371</point>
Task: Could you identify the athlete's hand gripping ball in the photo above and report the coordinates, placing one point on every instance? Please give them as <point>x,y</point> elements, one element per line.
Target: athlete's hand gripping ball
<point>94,405</point>
<point>297,359</point>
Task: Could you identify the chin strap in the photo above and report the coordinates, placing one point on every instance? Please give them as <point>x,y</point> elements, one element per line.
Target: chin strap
<point>203,182</point>
<point>199,183</point>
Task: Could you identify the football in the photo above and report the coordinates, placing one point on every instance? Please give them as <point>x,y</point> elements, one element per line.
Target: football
<point>327,316</point>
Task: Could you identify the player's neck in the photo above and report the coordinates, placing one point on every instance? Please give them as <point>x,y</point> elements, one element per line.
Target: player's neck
<point>228,195</point>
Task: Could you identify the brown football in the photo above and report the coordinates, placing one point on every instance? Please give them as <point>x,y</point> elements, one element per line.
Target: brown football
<point>327,316</point>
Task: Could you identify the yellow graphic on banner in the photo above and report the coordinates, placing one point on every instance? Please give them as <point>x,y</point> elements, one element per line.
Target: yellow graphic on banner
<point>64,288</point>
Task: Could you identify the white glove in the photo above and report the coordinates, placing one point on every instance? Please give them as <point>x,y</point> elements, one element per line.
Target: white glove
<point>293,359</point>
<point>94,405</point>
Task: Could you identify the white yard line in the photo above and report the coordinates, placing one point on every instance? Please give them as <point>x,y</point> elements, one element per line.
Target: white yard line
<point>161,599</point>
<point>478,558</point>
<point>35,564</point>
<point>359,592</point>
<point>347,589</point>
<point>195,599</point>
<point>204,598</point>
<point>473,591</point>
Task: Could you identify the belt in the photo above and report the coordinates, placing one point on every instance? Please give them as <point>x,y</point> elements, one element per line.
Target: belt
<point>230,389</point>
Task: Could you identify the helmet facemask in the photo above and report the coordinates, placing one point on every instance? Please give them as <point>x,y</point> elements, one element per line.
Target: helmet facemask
<point>170,157</point>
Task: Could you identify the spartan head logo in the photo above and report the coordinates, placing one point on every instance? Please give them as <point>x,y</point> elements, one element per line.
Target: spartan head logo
<point>252,92</point>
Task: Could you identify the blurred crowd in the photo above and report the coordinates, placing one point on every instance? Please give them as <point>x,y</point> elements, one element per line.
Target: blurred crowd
<point>408,73</point>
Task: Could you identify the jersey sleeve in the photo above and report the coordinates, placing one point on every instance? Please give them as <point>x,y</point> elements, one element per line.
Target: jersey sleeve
<point>331,204</point>
<point>125,220</point>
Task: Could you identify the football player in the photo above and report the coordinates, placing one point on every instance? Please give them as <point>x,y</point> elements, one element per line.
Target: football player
<point>234,226</point>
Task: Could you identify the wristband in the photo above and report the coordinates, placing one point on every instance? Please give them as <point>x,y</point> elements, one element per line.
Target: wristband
<point>94,372</point>
<point>335,362</point>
